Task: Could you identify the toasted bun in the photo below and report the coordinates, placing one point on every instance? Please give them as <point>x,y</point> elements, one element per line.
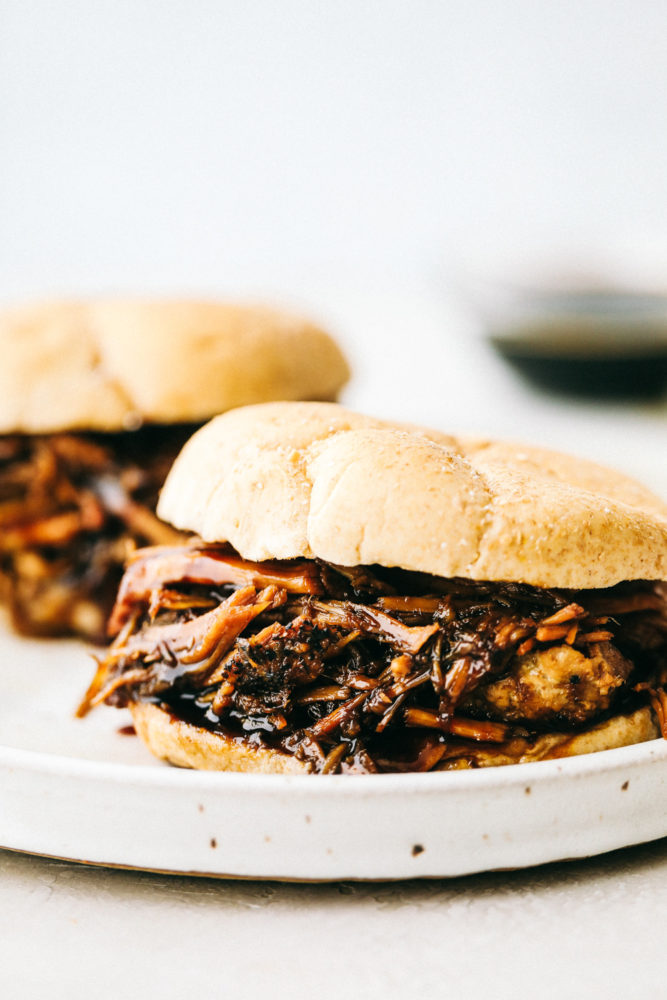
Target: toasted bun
<point>618,731</point>
<point>112,365</point>
<point>287,480</point>
<point>186,745</point>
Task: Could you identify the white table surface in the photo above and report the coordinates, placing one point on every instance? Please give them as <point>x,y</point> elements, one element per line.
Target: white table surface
<point>584,929</point>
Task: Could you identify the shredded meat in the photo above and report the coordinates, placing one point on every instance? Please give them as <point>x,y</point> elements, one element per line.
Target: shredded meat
<point>263,670</point>
<point>151,569</point>
<point>183,648</point>
<point>373,669</point>
<point>72,509</point>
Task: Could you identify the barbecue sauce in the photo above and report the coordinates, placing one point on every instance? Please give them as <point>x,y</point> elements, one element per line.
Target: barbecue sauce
<point>602,343</point>
<point>637,371</point>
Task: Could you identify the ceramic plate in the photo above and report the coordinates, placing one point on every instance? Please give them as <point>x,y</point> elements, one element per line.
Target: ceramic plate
<point>87,791</point>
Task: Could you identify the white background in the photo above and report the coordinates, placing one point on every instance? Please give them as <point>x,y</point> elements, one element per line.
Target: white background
<point>346,156</point>
<point>351,157</point>
<point>225,145</point>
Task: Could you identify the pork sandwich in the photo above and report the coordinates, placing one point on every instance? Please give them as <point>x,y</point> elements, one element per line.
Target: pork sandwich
<point>96,400</point>
<point>361,597</point>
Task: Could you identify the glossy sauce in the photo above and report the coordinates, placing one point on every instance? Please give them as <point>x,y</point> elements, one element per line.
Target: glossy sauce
<point>637,371</point>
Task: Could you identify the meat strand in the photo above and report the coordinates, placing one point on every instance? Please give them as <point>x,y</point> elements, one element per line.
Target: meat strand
<point>72,507</point>
<point>393,682</point>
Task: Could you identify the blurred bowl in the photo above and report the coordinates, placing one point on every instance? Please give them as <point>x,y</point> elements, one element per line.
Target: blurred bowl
<point>579,323</point>
<point>597,342</point>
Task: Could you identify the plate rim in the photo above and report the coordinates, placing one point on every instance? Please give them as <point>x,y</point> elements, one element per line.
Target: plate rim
<point>579,766</point>
<point>291,826</point>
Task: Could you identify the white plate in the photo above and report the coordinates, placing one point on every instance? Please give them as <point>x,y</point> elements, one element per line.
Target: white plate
<point>82,790</point>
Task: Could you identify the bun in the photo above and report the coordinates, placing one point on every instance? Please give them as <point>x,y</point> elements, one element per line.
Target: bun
<point>111,365</point>
<point>187,745</point>
<point>288,480</point>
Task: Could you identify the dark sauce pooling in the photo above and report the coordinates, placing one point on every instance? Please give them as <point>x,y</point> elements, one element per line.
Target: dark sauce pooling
<point>553,366</point>
<point>598,344</point>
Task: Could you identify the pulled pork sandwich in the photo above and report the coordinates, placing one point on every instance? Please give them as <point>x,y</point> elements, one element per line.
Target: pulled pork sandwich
<point>365,597</point>
<point>96,401</point>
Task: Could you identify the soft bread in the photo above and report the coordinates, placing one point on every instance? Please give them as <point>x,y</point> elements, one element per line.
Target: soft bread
<point>288,480</point>
<point>618,731</point>
<point>111,365</point>
<point>187,745</point>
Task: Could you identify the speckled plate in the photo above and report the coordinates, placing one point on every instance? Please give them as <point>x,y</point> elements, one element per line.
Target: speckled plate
<point>86,791</point>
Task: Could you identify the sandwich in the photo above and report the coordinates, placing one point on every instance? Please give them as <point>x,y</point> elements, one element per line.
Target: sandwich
<point>358,596</point>
<point>96,400</point>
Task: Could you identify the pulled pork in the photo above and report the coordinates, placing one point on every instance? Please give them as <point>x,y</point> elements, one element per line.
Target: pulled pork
<point>368,669</point>
<point>72,509</point>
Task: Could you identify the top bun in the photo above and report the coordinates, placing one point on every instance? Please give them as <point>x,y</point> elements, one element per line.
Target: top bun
<point>114,365</point>
<point>287,480</point>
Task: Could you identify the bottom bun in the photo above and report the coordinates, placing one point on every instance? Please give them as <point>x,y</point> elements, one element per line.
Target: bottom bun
<point>619,731</point>
<point>187,745</point>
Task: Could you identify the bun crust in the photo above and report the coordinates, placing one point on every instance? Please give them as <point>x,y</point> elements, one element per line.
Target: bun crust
<point>187,745</point>
<point>110,365</point>
<point>289,480</point>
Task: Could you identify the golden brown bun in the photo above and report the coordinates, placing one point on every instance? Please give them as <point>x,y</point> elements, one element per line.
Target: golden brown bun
<point>619,731</point>
<point>287,480</point>
<point>187,745</point>
<point>111,365</point>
